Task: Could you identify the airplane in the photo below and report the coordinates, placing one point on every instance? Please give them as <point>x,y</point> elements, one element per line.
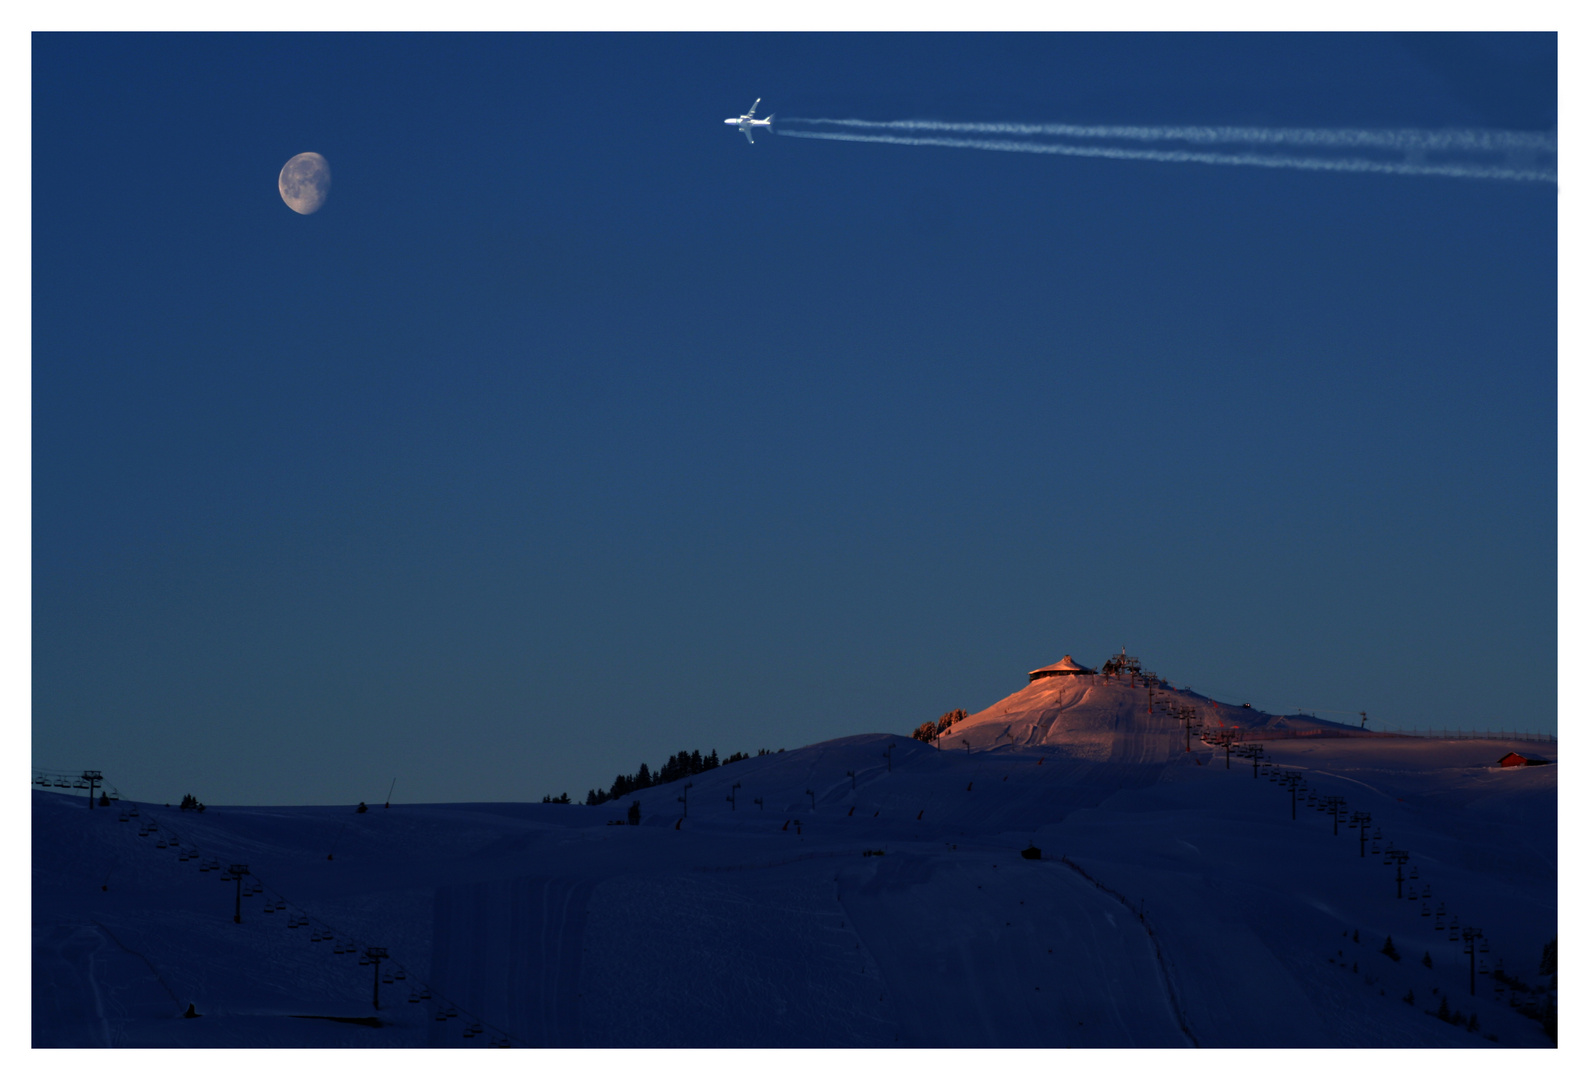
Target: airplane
<point>748,121</point>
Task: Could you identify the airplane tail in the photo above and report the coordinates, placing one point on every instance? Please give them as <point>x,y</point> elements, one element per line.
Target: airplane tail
<point>769,118</point>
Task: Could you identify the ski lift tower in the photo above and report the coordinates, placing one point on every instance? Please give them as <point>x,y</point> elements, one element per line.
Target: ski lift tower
<point>1335,806</point>
<point>236,871</point>
<point>1399,856</point>
<point>1188,716</point>
<point>1255,752</point>
<point>1472,940</point>
<point>1293,780</point>
<point>1360,820</point>
<point>375,955</point>
<point>93,776</point>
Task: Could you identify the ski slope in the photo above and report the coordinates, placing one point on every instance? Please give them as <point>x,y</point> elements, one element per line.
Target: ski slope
<point>1175,904</point>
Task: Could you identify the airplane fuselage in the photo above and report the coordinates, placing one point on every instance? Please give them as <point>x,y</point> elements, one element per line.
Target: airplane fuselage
<point>748,122</point>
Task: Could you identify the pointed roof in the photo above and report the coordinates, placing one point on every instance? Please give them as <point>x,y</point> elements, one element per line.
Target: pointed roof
<point>1066,666</point>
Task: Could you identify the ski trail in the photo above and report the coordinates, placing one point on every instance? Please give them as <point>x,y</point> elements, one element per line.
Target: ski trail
<point>1168,983</point>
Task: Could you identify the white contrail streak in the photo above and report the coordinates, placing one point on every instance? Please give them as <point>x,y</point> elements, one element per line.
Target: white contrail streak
<point>1472,171</point>
<point>1333,138</point>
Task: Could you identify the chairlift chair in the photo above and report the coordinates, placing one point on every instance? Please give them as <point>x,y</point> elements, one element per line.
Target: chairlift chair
<point>424,993</point>
<point>1484,945</point>
<point>386,980</point>
<point>1455,936</point>
<point>1426,911</point>
<point>452,1012</point>
<point>441,1015</point>
<point>413,997</point>
<point>1414,875</point>
<point>1427,892</point>
<point>400,975</point>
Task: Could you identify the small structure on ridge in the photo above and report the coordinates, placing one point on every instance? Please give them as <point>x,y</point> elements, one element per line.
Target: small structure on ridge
<point>1066,666</point>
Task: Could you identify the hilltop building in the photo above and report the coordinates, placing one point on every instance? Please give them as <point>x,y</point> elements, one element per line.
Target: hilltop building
<point>1066,666</point>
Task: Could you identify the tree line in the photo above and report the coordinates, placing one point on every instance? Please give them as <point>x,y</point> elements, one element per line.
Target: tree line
<point>684,763</point>
<point>930,731</point>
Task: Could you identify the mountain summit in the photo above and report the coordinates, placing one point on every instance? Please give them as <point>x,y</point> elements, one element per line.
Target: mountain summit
<point>1118,713</point>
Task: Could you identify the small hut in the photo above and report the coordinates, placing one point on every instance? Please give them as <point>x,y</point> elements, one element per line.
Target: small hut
<point>1512,759</point>
<point>1066,666</point>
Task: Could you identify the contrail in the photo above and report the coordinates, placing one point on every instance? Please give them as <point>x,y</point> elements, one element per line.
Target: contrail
<point>1405,139</point>
<point>1472,171</point>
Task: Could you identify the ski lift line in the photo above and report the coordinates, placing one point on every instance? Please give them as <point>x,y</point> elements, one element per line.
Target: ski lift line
<point>1392,855</point>
<point>303,918</point>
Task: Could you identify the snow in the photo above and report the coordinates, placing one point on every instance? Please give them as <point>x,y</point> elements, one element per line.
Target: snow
<point>1176,903</point>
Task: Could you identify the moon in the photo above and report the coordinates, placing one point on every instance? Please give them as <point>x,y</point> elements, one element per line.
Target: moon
<point>305,181</point>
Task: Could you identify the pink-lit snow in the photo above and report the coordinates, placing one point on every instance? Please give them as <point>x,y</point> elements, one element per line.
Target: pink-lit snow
<point>1175,904</point>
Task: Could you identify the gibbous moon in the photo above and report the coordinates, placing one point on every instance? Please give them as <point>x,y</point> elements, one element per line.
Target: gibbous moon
<point>305,181</point>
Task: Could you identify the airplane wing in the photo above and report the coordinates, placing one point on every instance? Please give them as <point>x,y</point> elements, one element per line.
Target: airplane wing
<point>751,115</point>
<point>747,136</point>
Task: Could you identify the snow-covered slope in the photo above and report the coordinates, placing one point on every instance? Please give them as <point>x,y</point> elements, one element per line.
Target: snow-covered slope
<point>1103,718</point>
<point>1176,902</point>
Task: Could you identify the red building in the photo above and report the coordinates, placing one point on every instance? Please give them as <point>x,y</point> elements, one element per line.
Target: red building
<point>1514,758</point>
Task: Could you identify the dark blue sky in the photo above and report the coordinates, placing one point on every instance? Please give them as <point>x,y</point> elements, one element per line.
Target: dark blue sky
<point>574,431</point>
